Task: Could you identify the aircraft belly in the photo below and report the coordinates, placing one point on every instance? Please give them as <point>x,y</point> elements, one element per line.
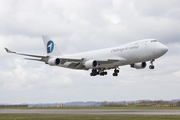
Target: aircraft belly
<point>74,65</point>
<point>114,64</point>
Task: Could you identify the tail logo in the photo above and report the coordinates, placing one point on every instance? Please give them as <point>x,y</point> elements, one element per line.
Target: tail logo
<point>50,46</point>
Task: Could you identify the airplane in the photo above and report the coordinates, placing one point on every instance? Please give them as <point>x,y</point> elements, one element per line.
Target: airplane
<point>135,54</point>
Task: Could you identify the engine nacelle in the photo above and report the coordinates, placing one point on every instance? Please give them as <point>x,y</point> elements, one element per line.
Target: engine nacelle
<point>54,61</point>
<point>139,65</point>
<point>91,64</point>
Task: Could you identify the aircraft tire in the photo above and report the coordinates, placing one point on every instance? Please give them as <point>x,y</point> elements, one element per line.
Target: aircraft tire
<point>116,71</point>
<point>105,73</point>
<point>102,74</point>
<point>151,67</point>
<point>115,74</point>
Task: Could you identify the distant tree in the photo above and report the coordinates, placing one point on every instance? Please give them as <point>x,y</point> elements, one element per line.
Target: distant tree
<point>178,104</point>
<point>133,103</point>
<point>124,103</point>
<point>104,104</point>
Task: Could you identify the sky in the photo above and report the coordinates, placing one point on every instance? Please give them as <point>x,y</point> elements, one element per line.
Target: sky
<point>85,25</point>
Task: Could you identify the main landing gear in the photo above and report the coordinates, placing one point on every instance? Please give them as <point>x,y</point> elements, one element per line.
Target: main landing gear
<point>101,72</point>
<point>95,72</point>
<point>115,72</point>
<point>151,66</point>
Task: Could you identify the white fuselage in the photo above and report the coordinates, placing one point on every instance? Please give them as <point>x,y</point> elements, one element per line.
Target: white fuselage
<point>134,52</point>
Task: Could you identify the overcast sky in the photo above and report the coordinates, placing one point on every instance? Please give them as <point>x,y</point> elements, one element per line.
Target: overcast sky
<point>84,25</point>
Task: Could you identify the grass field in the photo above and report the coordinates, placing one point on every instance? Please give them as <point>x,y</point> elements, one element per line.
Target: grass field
<point>82,117</point>
<point>105,108</point>
<point>90,117</point>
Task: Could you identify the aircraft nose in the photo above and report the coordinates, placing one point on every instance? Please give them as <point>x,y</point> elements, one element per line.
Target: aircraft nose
<point>159,50</point>
<point>164,49</point>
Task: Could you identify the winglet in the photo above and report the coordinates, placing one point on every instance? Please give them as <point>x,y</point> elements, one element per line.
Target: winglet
<point>7,50</point>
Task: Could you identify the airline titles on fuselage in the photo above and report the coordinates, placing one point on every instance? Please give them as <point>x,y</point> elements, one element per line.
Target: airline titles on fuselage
<point>126,48</point>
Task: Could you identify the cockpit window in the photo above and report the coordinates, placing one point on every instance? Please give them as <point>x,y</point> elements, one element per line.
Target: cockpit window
<point>153,40</point>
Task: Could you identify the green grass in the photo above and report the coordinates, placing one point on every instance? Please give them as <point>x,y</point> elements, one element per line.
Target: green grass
<point>105,108</point>
<point>82,117</point>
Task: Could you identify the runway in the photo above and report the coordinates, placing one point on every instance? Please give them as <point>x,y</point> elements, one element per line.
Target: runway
<point>90,112</point>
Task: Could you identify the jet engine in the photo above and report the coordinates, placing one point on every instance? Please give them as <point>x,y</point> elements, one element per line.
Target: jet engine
<point>139,65</point>
<point>54,61</point>
<point>91,64</point>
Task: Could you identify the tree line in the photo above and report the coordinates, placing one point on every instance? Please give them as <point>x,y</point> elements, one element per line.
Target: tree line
<point>159,103</point>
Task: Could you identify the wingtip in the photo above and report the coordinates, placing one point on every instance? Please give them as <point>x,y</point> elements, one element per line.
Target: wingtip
<point>7,50</point>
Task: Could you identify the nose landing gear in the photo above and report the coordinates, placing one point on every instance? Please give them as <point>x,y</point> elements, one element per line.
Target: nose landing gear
<point>151,66</point>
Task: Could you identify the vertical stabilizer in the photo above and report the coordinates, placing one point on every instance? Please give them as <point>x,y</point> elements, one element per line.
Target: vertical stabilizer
<point>50,46</point>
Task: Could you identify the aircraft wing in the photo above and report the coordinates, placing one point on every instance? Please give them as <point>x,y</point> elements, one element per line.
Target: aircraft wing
<point>78,63</point>
<point>38,56</point>
<point>75,63</point>
<point>101,61</point>
<point>76,60</point>
<point>35,59</point>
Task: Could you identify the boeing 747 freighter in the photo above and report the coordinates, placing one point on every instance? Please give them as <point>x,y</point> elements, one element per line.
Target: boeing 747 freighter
<point>135,54</point>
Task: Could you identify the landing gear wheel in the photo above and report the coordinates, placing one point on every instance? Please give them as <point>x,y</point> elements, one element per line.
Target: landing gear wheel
<point>151,67</point>
<point>116,71</point>
<point>105,73</point>
<point>115,74</point>
<point>94,72</point>
<point>91,74</point>
<point>102,74</point>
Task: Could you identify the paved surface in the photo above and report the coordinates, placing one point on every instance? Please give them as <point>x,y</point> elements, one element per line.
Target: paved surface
<point>91,112</point>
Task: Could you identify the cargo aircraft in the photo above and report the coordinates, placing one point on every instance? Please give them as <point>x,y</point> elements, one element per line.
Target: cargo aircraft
<point>135,54</point>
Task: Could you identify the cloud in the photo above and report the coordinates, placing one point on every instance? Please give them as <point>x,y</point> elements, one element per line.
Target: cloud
<point>153,8</point>
<point>78,26</point>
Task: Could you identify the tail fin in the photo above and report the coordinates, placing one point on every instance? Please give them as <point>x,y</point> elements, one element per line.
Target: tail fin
<point>50,46</point>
